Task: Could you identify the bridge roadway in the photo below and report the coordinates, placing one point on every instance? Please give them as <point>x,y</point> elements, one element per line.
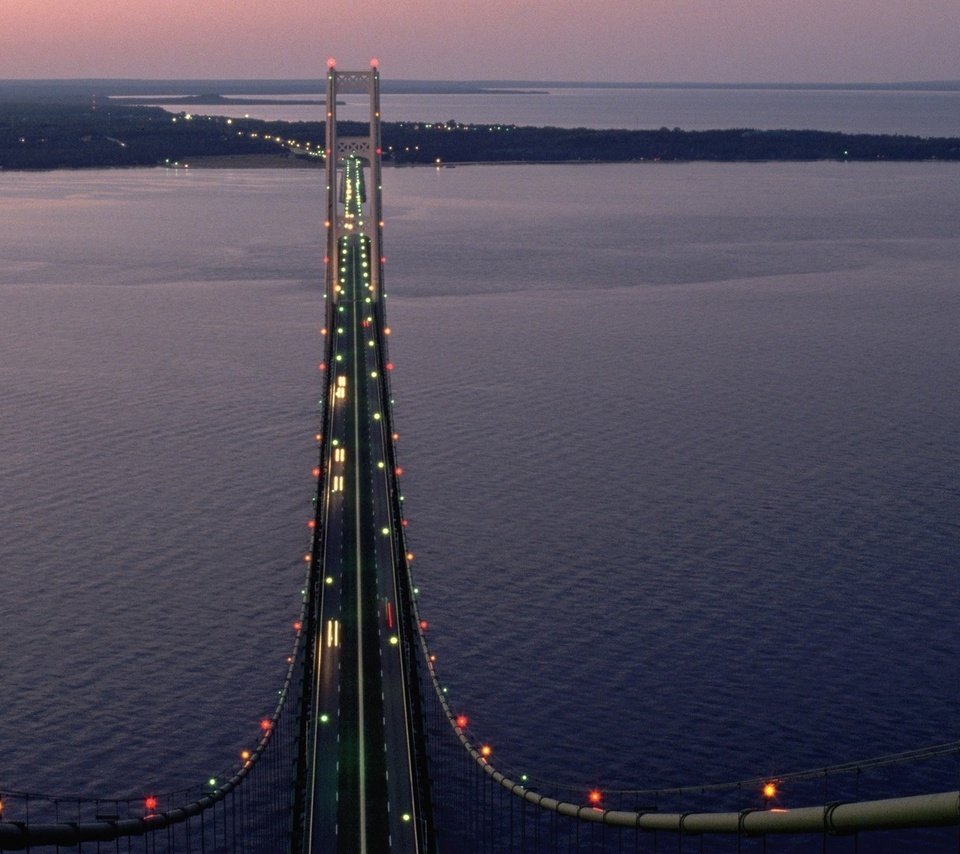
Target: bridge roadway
<point>361,796</point>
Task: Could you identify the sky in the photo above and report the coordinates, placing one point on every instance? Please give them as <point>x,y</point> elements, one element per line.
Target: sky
<point>714,41</point>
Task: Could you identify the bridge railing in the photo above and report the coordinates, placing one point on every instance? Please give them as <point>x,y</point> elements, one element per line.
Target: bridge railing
<point>413,662</point>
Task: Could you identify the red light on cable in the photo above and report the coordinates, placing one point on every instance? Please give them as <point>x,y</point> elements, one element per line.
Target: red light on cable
<point>297,626</point>
<point>769,790</point>
<point>462,721</point>
<point>594,797</point>
<point>424,625</point>
<point>486,750</point>
<point>316,471</point>
<point>389,366</point>
<point>266,725</point>
<point>312,523</point>
<point>150,803</point>
<point>398,471</point>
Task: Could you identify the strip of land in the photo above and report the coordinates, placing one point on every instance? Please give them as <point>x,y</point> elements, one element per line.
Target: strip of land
<point>44,135</point>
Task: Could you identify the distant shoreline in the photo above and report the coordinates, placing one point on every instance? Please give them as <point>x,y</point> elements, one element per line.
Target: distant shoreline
<point>212,100</point>
<point>57,136</point>
<point>217,100</point>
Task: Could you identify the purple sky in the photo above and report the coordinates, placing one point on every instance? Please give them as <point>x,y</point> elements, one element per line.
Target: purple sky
<point>634,40</point>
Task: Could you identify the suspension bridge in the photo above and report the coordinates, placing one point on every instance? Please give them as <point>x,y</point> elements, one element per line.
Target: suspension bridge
<point>364,752</point>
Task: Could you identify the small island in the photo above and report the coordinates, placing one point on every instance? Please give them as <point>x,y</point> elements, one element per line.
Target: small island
<point>57,135</point>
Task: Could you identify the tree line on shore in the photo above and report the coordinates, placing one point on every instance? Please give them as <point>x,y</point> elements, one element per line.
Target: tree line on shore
<point>49,136</point>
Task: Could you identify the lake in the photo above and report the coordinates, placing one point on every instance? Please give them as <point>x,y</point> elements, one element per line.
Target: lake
<point>680,445</point>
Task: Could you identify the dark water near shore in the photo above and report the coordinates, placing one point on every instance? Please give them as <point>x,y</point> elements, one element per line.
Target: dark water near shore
<point>681,449</point>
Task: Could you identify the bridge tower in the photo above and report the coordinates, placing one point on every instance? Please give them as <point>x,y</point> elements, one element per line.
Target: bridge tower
<point>366,147</point>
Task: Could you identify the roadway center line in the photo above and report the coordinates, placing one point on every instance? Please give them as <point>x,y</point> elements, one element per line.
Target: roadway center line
<point>356,501</point>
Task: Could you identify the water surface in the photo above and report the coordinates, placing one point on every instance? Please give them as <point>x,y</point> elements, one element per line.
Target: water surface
<point>680,449</point>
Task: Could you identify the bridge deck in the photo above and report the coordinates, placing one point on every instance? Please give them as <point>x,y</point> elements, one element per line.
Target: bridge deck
<point>362,792</point>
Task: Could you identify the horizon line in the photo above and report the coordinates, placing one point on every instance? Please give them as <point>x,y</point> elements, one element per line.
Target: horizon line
<point>551,83</point>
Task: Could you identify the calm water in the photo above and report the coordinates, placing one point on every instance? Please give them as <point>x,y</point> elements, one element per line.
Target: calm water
<point>681,462</point>
<point>882,111</point>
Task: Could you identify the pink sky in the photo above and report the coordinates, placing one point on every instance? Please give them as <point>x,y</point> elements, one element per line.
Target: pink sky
<point>642,40</point>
